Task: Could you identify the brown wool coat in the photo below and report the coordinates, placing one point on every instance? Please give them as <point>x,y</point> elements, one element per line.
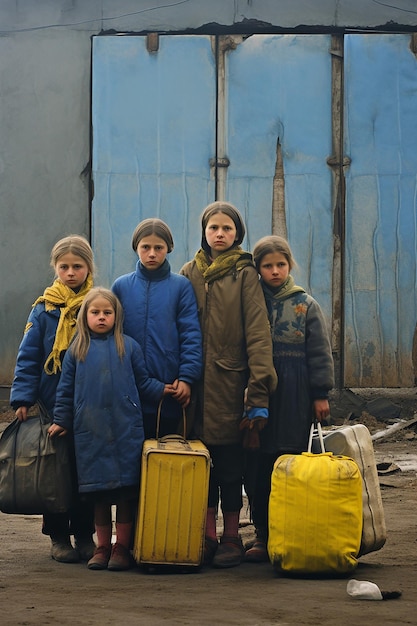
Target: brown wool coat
<point>237,353</point>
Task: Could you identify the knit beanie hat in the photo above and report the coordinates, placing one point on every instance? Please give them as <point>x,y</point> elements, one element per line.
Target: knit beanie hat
<point>152,226</point>
<point>220,206</point>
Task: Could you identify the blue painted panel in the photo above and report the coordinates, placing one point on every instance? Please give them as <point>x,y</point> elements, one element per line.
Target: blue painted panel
<point>153,136</point>
<point>280,86</point>
<point>381,241</point>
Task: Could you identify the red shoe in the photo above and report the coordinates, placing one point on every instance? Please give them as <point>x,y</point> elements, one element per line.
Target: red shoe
<point>119,559</point>
<point>229,553</point>
<point>257,553</point>
<point>210,549</point>
<point>100,558</point>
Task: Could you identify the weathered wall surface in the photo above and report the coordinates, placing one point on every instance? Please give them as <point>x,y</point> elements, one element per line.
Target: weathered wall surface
<point>45,64</point>
<point>44,173</point>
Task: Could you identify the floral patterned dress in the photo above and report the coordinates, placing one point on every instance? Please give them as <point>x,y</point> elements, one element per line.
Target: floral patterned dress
<point>303,362</point>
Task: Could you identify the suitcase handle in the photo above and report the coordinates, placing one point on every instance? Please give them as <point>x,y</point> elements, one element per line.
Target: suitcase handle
<point>316,430</point>
<point>175,439</point>
<point>158,420</point>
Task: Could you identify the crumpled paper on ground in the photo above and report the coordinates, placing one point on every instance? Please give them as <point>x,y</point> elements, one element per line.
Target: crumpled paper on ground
<point>366,590</point>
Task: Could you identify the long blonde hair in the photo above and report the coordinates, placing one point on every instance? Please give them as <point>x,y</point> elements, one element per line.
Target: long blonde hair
<point>81,343</point>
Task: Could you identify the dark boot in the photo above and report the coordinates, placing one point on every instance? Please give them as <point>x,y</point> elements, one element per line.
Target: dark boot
<point>85,546</point>
<point>62,550</point>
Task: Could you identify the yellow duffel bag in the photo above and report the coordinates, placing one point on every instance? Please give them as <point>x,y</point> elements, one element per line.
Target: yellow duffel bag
<point>315,513</point>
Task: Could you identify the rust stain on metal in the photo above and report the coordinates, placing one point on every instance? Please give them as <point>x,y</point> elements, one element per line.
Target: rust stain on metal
<point>279,220</point>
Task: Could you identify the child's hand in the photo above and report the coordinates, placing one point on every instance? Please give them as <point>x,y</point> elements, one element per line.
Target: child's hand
<point>251,429</point>
<point>321,409</point>
<point>256,423</point>
<point>169,390</point>
<point>22,413</point>
<point>182,393</point>
<point>55,430</point>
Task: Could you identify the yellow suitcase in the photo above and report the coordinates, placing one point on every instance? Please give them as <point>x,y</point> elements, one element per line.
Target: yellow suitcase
<point>315,513</point>
<point>172,505</point>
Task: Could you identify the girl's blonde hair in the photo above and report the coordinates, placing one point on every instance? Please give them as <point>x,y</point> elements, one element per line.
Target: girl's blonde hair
<point>81,343</point>
<point>270,244</point>
<point>76,244</point>
<point>152,226</point>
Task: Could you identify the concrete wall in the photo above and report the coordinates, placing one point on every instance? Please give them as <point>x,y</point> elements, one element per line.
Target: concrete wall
<point>44,165</point>
<point>45,63</point>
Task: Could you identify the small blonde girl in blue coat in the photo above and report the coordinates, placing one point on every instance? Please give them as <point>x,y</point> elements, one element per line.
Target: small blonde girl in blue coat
<point>98,399</point>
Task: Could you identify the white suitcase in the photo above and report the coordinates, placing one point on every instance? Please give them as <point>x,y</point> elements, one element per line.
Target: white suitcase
<point>355,442</point>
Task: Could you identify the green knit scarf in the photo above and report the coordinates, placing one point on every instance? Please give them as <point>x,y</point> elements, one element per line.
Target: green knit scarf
<point>282,292</point>
<point>234,258</point>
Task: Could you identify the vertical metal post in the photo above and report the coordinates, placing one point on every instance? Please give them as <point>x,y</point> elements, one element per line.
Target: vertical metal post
<point>221,172</point>
<point>413,43</point>
<point>337,162</point>
<point>225,44</point>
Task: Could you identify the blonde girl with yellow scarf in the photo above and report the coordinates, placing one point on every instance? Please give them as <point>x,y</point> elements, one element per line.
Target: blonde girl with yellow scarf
<point>48,333</point>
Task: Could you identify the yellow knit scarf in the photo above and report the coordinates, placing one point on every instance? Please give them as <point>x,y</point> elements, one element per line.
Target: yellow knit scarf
<point>234,258</point>
<point>60,296</point>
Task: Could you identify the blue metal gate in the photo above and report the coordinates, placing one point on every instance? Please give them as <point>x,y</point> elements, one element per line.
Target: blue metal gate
<point>153,120</point>
<point>381,192</point>
<point>191,118</point>
<point>279,94</point>
<point>156,142</point>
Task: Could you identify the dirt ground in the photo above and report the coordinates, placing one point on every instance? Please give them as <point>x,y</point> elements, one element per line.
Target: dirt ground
<point>36,590</point>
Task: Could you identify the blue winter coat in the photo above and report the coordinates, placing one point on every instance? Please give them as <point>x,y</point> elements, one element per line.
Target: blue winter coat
<point>31,383</point>
<point>99,400</point>
<point>160,312</point>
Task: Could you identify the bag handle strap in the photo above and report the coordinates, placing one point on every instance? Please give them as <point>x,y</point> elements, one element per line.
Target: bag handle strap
<point>315,430</point>
<point>158,420</point>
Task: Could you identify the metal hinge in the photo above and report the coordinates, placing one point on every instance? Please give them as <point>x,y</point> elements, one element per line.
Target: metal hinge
<point>334,161</point>
<point>224,162</point>
<point>152,42</point>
